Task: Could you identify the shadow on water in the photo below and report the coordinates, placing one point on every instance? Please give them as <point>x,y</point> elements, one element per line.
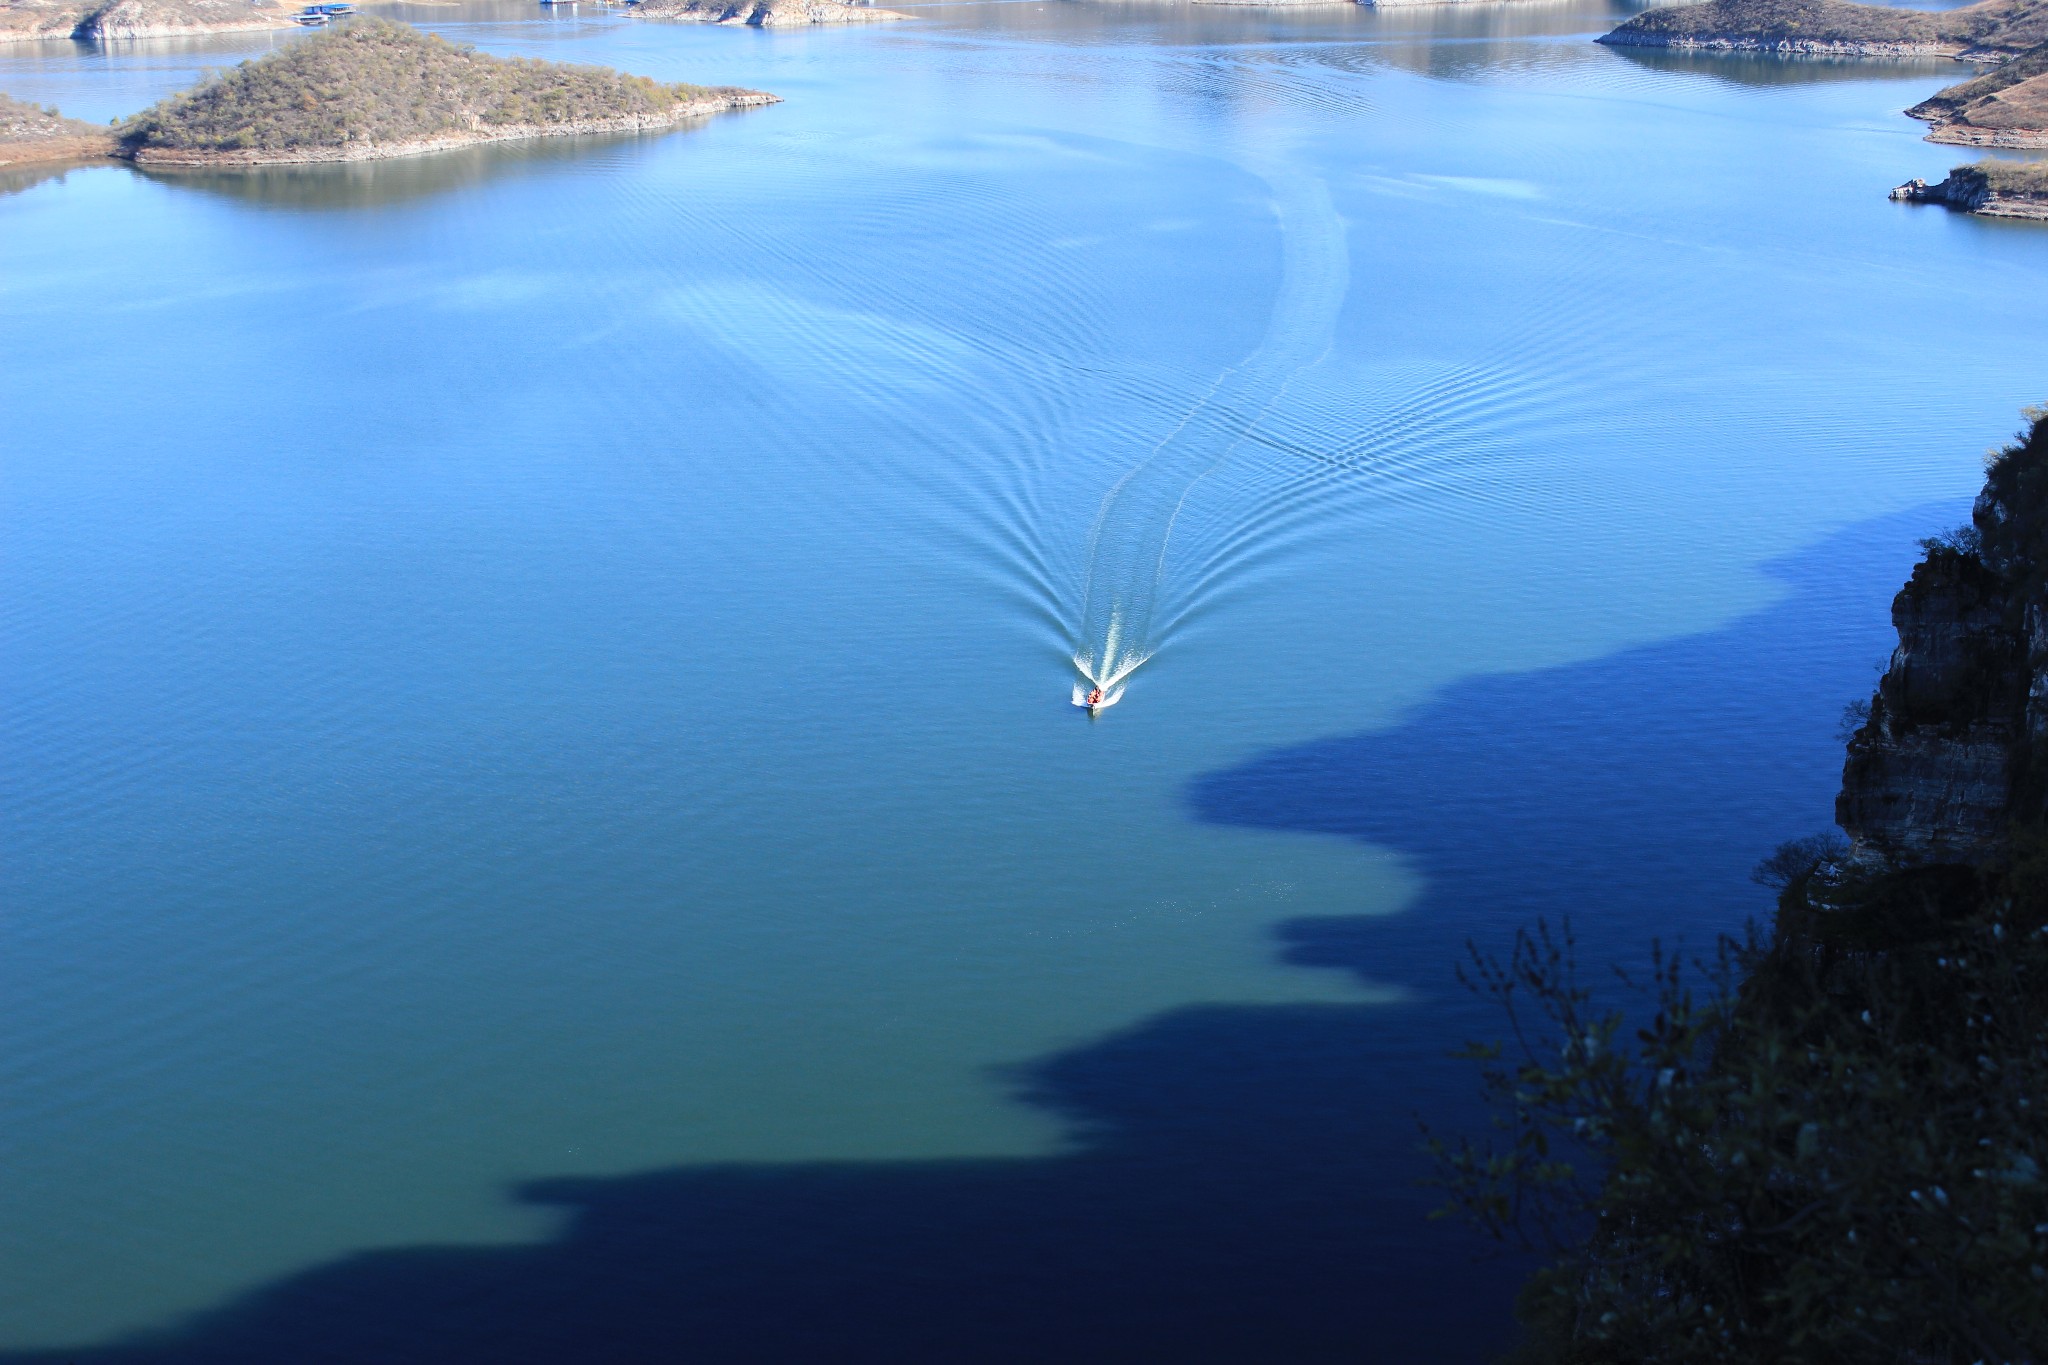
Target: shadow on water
<point>376,184</point>
<point>14,179</point>
<point>1760,69</point>
<point>1236,1196</point>
<point>1633,793</point>
<point>367,184</point>
<point>1239,1184</point>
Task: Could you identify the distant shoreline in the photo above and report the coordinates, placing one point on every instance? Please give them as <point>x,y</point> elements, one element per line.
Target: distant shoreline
<point>1987,31</point>
<point>1784,47</point>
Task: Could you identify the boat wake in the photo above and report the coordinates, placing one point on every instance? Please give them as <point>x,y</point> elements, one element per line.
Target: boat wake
<point>1122,625</point>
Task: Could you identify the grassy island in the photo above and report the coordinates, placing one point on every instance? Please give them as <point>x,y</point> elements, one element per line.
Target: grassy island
<point>761,13</point>
<point>1991,30</point>
<point>2005,107</point>
<point>30,133</point>
<point>374,88</point>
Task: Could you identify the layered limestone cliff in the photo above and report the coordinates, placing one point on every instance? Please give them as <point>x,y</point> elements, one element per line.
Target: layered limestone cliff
<point>1945,760</point>
<point>1929,776</point>
<point>1992,189</point>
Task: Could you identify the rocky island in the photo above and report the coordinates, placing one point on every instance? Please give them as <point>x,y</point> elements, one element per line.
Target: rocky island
<point>374,89</point>
<point>761,13</point>
<point>29,133</point>
<point>2005,107</point>
<point>102,20</point>
<point>1992,30</point>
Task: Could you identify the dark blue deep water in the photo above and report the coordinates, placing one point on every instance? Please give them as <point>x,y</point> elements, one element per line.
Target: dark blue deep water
<point>540,814</point>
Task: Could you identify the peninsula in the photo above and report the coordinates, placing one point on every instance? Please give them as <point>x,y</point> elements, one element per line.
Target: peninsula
<point>101,20</point>
<point>2005,107</point>
<point>1990,31</point>
<point>29,133</point>
<point>1994,189</point>
<point>761,13</point>
<point>374,88</point>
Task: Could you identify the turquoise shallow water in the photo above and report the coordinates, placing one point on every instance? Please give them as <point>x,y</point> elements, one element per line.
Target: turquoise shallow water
<point>553,661</point>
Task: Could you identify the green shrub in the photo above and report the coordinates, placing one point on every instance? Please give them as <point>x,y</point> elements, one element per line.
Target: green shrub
<point>1809,1150</point>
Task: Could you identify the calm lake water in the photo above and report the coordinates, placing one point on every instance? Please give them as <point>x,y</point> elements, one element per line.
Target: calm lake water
<point>542,814</point>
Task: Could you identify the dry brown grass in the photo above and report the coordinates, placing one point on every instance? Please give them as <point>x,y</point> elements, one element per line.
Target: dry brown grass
<point>31,133</point>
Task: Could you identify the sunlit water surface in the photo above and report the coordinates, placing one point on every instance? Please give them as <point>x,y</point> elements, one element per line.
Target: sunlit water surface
<point>556,660</point>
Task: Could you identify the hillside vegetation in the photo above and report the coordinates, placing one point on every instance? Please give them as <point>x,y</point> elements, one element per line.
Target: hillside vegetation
<point>21,122</point>
<point>2029,178</point>
<point>1991,28</point>
<point>375,84</point>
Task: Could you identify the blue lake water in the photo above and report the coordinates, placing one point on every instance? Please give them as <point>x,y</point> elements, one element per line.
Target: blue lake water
<point>542,814</point>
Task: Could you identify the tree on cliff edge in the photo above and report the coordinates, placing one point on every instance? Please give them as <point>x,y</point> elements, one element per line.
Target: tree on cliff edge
<point>1823,1145</point>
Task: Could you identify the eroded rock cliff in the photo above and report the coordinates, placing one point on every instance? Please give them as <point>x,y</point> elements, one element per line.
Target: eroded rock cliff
<point>1945,760</point>
<point>1991,189</point>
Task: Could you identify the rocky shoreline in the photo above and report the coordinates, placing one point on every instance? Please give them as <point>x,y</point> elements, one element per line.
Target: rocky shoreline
<point>2005,139</point>
<point>170,158</point>
<point>1989,31</point>
<point>1798,47</point>
<point>761,13</point>
<point>1783,47</point>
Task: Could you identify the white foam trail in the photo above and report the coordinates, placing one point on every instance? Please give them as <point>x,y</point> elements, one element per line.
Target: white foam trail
<point>1127,547</point>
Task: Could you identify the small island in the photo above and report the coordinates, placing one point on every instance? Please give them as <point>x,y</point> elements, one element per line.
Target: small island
<point>761,13</point>
<point>2005,107</point>
<point>375,88</point>
<point>1992,30</point>
<point>30,133</point>
<point>1992,189</point>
